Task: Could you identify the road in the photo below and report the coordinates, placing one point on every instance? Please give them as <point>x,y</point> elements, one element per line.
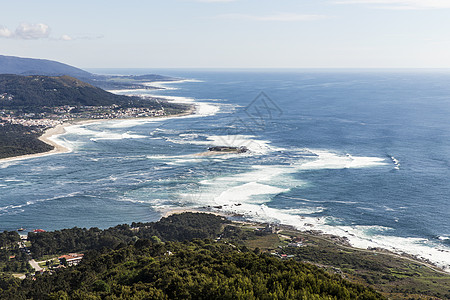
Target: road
<point>35,265</point>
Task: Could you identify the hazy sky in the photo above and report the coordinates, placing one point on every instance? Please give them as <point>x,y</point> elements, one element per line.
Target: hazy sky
<point>230,33</point>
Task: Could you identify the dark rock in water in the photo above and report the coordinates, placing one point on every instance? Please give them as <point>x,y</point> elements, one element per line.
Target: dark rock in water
<point>242,149</point>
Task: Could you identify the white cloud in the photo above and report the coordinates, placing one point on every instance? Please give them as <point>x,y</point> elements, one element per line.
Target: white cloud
<point>401,4</point>
<point>280,17</point>
<point>32,31</point>
<point>66,37</point>
<point>5,32</point>
<point>27,31</point>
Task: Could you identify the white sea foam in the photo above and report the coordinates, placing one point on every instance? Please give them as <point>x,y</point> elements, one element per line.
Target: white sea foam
<point>396,163</point>
<point>388,208</point>
<point>255,145</point>
<point>12,207</point>
<point>83,130</point>
<point>329,160</point>
<point>304,210</point>
<point>249,194</point>
<point>127,123</point>
<point>117,136</point>
<point>80,130</point>
<point>167,84</point>
<point>359,236</point>
<point>202,109</point>
<point>128,92</point>
<point>8,163</point>
<point>246,192</point>
<point>372,236</point>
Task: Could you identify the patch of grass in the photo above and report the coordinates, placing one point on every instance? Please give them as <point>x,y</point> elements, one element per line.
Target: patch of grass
<point>267,242</point>
<point>395,276</point>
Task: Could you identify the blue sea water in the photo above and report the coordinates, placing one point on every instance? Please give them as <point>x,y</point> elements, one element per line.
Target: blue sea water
<point>360,154</point>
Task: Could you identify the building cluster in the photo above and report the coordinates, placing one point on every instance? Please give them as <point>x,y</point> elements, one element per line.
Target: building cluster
<point>71,259</point>
<point>59,114</point>
<point>109,112</point>
<point>29,122</point>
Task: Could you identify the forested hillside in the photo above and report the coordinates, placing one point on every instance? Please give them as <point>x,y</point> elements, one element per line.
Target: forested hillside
<point>181,261</point>
<point>39,91</point>
<point>18,140</point>
<point>32,66</point>
<point>183,227</point>
<point>191,270</point>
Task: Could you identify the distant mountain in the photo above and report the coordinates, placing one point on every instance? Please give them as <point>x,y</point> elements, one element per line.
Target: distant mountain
<point>36,91</point>
<point>31,66</point>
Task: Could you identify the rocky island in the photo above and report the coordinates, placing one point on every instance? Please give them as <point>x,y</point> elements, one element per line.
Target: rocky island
<point>221,150</point>
<point>228,149</point>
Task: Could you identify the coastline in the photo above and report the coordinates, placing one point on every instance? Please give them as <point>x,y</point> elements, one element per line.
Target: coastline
<point>46,137</point>
<point>337,241</point>
<point>50,133</point>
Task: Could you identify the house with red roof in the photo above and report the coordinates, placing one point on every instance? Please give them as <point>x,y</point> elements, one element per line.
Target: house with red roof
<point>72,259</point>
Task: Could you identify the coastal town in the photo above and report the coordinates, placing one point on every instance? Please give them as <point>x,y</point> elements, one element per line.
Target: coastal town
<point>53,116</point>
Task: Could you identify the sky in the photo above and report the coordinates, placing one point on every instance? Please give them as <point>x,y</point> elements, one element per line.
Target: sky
<point>230,33</point>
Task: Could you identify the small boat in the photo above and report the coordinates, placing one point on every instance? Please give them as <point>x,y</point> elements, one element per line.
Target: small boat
<point>21,229</point>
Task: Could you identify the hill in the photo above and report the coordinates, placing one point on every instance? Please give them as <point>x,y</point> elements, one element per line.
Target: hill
<point>38,91</point>
<point>126,263</point>
<point>31,66</point>
<point>204,256</point>
<point>31,104</point>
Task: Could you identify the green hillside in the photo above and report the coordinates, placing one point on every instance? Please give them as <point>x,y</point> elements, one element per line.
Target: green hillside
<point>39,91</point>
<point>32,66</point>
<point>16,140</point>
<point>128,263</point>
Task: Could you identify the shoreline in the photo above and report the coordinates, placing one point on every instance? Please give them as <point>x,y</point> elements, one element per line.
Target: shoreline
<point>46,137</point>
<point>339,242</point>
<point>49,133</point>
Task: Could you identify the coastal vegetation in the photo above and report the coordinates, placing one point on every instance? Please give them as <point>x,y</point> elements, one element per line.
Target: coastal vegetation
<point>33,93</point>
<point>180,262</point>
<point>395,276</point>
<point>16,139</point>
<point>12,259</point>
<point>204,256</point>
<point>174,228</point>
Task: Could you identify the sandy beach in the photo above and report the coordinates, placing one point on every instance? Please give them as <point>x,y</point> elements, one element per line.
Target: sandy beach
<point>47,136</point>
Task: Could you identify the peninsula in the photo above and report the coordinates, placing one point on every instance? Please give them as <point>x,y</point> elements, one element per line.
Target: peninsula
<point>31,105</point>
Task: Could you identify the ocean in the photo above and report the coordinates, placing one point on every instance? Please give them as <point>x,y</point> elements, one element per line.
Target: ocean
<point>359,154</point>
